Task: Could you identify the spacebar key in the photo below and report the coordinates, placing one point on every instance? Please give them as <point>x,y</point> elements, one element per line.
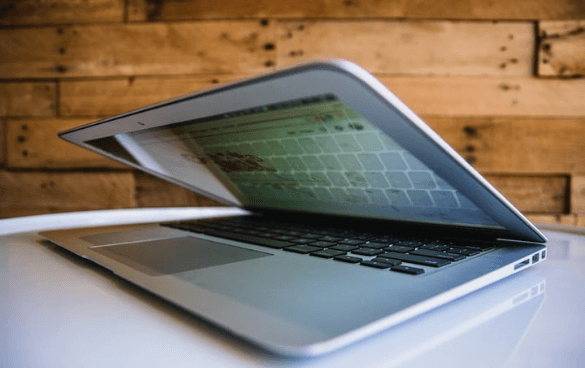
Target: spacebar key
<point>272,243</point>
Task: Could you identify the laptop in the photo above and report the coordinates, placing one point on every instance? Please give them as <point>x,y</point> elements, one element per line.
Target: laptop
<point>358,216</point>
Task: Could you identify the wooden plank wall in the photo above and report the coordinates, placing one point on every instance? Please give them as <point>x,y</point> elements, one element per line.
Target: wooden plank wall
<point>501,81</point>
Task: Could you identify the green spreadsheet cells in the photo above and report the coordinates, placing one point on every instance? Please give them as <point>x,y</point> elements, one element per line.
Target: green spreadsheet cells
<point>421,179</point>
<point>376,179</point>
<point>356,179</point>
<point>349,162</point>
<point>330,162</point>
<point>347,143</point>
<point>332,155</point>
<point>420,198</point>
<point>313,163</point>
<point>398,179</point>
<point>327,144</point>
<point>444,198</point>
<point>276,148</point>
<point>370,161</point>
<point>309,145</point>
<point>393,161</point>
<point>369,142</point>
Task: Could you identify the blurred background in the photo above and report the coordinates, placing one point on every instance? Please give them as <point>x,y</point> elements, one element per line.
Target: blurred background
<point>500,80</point>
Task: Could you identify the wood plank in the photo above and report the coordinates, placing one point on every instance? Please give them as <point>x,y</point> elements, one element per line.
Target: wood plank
<point>28,193</point>
<point>558,219</point>
<point>491,144</point>
<point>136,49</point>
<point>561,48</point>
<point>513,96</point>
<point>534,194</point>
<point>578,193</point>
<point>453,96</point>
<point>515,145</point>
<point>28,99</point>
<point>114,96</point>
<point>33,143</point>
<point>2,141</point>
<point>153,192</point>
<point>141,10</point>
<point>26,12</point>
<point>425,47</point>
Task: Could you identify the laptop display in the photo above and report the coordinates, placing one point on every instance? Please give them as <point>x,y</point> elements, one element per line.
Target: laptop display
<point>315,154</point>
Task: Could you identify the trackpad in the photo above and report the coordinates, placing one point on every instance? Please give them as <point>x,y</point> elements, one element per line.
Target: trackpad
<point>167,256</point>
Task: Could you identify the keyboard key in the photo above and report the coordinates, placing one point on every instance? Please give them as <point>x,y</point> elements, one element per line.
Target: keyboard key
<point>391,262</point>
<point>327,253</point>
<point>322,244</point>
<point>437,247</point>
<point>283,237</point>
<point>399,249</point>
<point>348,259</point>
<point>329,238</point>
<point>302,240</point>
<point>264,234</point>
<point>440,255</point>
<point>351,241</point>
<point>367,251</point>
<point>410,243</point>
<point>408,269</point>
<point>303,249</point>
<point>464,251</point>
<point>311,236</point>
<point>411,258</point>
<point>375,264</point>
<point>375,245</point>
<point>344,247</point>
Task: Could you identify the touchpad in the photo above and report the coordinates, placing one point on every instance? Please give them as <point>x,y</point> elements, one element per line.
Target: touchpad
<point>167,256</point>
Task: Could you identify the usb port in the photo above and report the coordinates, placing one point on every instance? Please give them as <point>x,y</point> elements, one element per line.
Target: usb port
<point>536,258</point>
<point>522,264</point>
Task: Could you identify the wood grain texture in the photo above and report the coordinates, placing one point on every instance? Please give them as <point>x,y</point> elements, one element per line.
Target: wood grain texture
<point>114,96</point>
<point>558,219</point>
<point>26,12</point>
<point>578,193</point>
<point>534,194</point>
<point>33,143</point>
<point>453,96</point>
<point>515,145</point>
<point>28,98</point>
<point>512,96</point>
<point>141,10</point>
<point>399,47</point>
<point>28,193</point>
<point>153,192</point>
<point>136,49</point>
<point>491,144</point>
<point>2,141</point>
<point>561,48</point>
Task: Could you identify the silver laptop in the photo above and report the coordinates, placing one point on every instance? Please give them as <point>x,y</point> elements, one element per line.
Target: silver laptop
<point>359,216</point>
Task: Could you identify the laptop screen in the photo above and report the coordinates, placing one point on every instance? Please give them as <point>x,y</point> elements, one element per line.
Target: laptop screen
<point>314,154</point>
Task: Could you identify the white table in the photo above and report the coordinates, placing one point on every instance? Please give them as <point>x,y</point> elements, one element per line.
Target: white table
<point>57,310</point>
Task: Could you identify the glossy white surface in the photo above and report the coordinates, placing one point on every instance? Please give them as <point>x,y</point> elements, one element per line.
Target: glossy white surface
<point>57,310</point>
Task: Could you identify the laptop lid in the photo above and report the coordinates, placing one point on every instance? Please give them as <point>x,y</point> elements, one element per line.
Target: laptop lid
<point>320,138</point>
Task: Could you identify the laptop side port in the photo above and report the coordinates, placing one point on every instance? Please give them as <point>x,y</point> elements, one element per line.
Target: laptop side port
<point>524,263</point>
<point>536,258</point>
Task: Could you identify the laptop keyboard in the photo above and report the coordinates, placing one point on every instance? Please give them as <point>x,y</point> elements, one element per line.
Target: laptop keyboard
<point>396,253</point>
